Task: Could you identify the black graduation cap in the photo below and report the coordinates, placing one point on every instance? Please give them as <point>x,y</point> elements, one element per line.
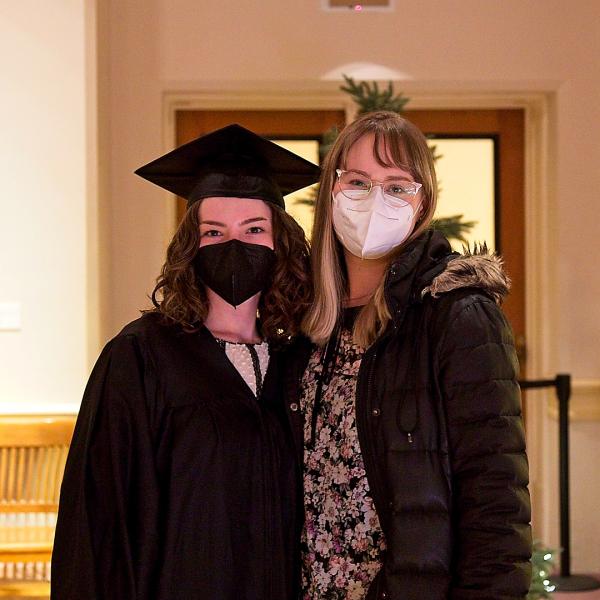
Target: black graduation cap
<point>231,162</point>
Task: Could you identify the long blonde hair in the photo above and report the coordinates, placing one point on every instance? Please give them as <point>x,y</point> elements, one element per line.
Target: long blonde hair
<point>397,143</point>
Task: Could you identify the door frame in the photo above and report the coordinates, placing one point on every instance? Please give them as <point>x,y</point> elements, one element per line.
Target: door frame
<point>540,201</point>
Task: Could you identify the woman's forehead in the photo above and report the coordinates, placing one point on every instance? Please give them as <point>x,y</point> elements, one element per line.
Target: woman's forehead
<point>233,208</point>
<point>370,158</point>
<point>384,150</point>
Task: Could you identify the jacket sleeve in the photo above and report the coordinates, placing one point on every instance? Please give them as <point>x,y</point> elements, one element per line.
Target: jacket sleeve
<point>105,542</point>
<point>490,507</point>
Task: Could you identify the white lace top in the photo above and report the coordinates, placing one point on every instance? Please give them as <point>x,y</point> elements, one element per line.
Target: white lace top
<point>251,361</point>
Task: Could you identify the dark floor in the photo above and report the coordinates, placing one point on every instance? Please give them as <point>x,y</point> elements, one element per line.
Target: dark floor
<point>584,595</point>
<point>593,595</point>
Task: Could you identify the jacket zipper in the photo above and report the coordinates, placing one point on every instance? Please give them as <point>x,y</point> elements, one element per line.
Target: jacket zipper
<point>363,407</point>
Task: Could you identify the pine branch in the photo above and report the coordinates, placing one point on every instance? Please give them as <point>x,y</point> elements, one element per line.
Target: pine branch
<point>453,227</point>
<point>327,141</point>
<point>310,199</point>
<point>543,562</point>
<point>434,153</point>
<point>369,97</point>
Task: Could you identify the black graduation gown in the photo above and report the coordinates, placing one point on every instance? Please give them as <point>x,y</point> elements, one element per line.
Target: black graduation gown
<point>179,483</point>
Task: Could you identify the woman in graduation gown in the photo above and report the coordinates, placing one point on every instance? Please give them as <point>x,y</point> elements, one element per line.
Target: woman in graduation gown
<point>180,478</point>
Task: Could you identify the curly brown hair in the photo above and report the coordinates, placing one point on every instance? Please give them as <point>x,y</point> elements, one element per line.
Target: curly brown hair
<point>181,299</point>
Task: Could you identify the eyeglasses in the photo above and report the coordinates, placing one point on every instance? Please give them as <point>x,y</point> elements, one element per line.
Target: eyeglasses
<point>357,186</point>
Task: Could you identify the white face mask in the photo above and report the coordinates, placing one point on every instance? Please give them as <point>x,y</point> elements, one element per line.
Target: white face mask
<point>373,227</point>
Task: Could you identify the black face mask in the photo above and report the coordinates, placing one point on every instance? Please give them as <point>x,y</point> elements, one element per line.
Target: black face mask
<point>235,270</point>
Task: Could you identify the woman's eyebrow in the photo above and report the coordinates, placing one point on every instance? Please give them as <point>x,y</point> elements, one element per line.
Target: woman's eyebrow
<point>253,220</point>
<point>389,177</point>
<point>212,223</point>
<point>245,222</point>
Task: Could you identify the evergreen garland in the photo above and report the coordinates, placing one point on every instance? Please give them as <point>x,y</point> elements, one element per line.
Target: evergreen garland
<point>453,227</point>
<point>543,562</point>
<point>369,98</point>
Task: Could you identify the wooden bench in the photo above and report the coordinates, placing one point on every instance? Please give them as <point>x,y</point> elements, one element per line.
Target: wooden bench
<point>33,452</point>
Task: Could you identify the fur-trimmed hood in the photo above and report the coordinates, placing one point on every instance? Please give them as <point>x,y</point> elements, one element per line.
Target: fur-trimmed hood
<point>474,269</point>
<point>428,266</point>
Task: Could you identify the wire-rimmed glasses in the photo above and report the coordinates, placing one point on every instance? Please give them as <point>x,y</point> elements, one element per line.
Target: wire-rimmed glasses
<point>357,186</point>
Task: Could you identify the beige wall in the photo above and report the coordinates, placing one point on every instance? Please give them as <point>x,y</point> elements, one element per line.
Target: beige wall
<point>43,215</point>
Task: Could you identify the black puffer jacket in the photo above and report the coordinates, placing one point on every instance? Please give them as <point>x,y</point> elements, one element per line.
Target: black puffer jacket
<point>439,422</point>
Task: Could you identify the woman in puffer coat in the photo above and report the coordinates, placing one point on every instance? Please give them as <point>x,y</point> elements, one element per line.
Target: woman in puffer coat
<point>404,402</point>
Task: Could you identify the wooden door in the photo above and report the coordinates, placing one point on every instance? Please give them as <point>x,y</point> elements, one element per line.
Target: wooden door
<point>505,126</point>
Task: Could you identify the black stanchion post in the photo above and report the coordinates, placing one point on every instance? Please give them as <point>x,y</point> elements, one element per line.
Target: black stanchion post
<point>567,582</point>
<point>563,391</point>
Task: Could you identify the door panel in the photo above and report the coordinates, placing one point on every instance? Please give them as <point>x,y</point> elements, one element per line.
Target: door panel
<point>507,128</point>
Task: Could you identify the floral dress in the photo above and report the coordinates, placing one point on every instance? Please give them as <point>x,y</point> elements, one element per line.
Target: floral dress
<point>342,541</point>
